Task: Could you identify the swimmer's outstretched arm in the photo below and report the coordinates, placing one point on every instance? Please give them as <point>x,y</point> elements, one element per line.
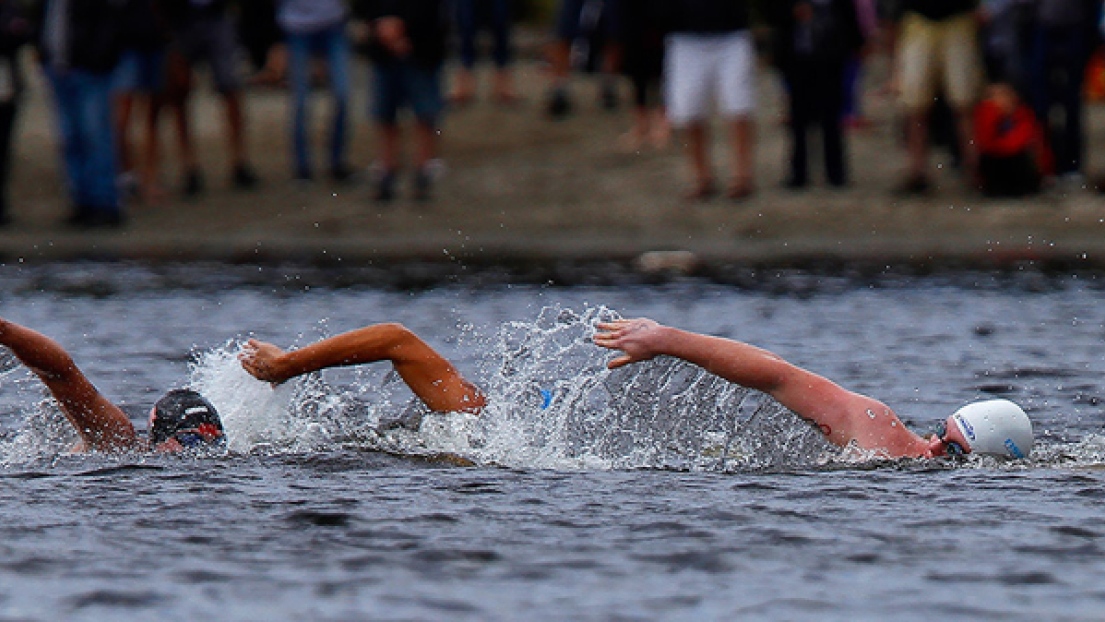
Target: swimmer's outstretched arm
<point>429,375</point>
<point>101,425</point>
<point>838,412</point>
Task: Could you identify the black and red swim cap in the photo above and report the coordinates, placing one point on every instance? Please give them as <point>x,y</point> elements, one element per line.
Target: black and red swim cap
<point>185,415</point>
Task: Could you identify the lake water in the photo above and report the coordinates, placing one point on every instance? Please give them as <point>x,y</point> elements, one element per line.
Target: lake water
<point>655,492</point>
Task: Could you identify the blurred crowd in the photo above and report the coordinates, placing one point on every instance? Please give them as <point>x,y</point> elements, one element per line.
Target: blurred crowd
<point>999,82</point>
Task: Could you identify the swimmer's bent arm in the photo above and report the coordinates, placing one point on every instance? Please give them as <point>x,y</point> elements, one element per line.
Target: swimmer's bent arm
<point>428,374</point>
<point>100,424</point>
<point>837,411</point>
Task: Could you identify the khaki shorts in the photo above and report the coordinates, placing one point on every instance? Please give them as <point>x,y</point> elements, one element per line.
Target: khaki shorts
<point>937,57</point>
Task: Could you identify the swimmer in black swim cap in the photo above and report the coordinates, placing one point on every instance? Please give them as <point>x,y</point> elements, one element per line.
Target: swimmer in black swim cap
<point>183,419</point>
<point>992,427</point>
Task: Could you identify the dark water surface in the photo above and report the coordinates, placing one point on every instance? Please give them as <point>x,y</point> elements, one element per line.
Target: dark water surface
<point>650,493</point>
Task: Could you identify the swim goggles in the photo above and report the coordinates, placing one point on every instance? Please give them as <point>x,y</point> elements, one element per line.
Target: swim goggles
<point>952,448</point>
<point>204,435</point>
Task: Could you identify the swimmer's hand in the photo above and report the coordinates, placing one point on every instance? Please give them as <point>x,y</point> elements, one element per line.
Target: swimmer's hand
<point>262,361</point>
<point>640,340</point>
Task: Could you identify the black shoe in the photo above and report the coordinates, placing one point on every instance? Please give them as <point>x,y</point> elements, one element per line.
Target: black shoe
<point>423,185</point>
<point>91,218</point>
<point>559,105</point>
<point>914,185</point>
<point>609,97</point>
<point>385,188</point>
<point>193,184</point>
<point>795,183</point>
<point>243,177</point>
<point>341,174</point>
<point>303,175</point>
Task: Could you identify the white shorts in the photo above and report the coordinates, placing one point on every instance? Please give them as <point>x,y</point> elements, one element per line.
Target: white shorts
<point>701,68</point>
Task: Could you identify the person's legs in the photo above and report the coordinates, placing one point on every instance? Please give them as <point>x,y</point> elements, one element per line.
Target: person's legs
<point>8,111</point>
<point>424,90</point>
<point>99,169</point>
<point>66,104</point>
<point>503,85</point>
<point>1071,58</point>
<point>800,92</point>
<point>916,69</point>
<point>830,117</point>
<point>388,93</point>
<point>299,60</point>
<point>222,56</point>
<point>338,59</point>
<point>465,86</point>
<point>961,61</point>
<point>736,80</point>
<point>688,88</point>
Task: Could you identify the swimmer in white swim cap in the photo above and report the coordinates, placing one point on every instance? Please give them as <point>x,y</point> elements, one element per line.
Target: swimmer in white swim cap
<point>992,427</point>
<point>995,427</point>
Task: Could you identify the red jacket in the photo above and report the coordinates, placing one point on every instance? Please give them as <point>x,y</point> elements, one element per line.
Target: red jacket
<point>1004,135</point>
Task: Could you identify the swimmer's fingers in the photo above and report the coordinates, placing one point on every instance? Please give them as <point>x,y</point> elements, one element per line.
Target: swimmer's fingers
<point>621,361</point>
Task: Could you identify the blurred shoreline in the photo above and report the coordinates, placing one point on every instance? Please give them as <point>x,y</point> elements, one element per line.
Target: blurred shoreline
<point>521,189</point>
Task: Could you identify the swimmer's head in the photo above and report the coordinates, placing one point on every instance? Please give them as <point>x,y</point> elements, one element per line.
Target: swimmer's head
<point>991,427</point>
<point>183,419</point>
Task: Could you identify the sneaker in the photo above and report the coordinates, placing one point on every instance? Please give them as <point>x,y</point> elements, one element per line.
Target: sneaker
<point>243,177</point>
<point>193,184</point>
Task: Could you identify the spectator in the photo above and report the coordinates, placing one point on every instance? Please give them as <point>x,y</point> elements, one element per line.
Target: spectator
<point>1013,153</point>
<point>317,28</point>
<point>815,39</point>
<point>710,51</point>
<point>583,28</point>
<point>1006,39</point>
<point>496,16</point>
<point>263,41</point>
<point>407,40</point>
<point>205,33</point>
<point>140,79</point>
<point>1062,41</point>
<point>868,18</point>
<point>640,38</point>
<point>15,31</point>
<point>79,48</point>
<point>937,52</point>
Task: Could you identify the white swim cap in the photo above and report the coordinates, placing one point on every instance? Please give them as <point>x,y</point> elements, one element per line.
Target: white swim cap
<point>996,427</point>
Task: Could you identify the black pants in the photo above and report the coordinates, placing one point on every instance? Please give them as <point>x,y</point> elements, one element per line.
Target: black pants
<point>816,97</point>
<point>7,123</point>
<point>1008,176</point>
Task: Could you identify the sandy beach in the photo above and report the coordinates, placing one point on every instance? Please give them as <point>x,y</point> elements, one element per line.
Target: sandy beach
<point>522,188</point>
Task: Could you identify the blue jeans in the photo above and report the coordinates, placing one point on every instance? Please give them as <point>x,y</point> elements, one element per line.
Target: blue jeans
<point>332,44</point>
<point>495,14</point>
<point>83,101</point>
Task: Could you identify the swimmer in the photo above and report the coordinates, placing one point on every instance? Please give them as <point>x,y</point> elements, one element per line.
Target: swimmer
<point>181,419</point>
<point>995,427</point>
<point>431,377</point>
